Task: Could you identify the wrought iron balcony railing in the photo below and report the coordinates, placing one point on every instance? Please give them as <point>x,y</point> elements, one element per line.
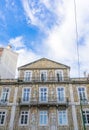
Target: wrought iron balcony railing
<point>44,102</point>
<point>46,79</point>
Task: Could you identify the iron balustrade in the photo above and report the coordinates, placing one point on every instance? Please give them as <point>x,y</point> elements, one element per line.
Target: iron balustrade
<point>37,101</point>
<point>47,79</point>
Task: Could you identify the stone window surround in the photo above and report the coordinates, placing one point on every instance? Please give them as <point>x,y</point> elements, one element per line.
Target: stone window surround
<point>66,124</point>
<point>86,109</point>
<point>40,93</point>
<point>58,71</point>
<point>8,93</point>
<point>25,76</point>
<point>45,124</point>
<point>57,92</point>
<point>78,92</point>
<point>43,71</point>
<point>23,93</point>
<point>24,115</point>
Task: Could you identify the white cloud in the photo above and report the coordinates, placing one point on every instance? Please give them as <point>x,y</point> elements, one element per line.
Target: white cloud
<point>60,44</point>
<point>38,14</point>
<point>17,42</point>
<point>25,55</point>
<point>61,41</point>
<point>29,13</point>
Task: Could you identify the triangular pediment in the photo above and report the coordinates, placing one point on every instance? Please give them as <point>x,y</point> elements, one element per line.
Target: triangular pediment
<point>44,64</point>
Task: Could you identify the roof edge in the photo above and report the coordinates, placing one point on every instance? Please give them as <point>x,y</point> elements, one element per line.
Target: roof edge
<point>42,59</point>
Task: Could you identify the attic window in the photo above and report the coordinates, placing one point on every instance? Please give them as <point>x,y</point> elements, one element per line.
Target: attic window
<point>59,75</point>
<point>27,76</point>
<point>43,75</point>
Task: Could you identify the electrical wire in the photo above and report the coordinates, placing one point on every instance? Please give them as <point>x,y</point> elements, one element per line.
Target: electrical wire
<point>77,37</point>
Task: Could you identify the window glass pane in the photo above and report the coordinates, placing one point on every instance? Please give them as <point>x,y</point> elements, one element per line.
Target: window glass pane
<point>26,94</point>
<point>60,94</point>
<point>2,117</point>
<point>82,93</point>
<point>5,94</point>
<point>62,117</point>
<point>86,116</point>
<point>59,76</point>
<point>43,94</point>
<point>43,117</point>
<point>27,76</point>
<point>43,76</point>
<point>24,118</point>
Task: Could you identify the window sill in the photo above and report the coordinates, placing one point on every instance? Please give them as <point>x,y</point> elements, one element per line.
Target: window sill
<point>23,125</point>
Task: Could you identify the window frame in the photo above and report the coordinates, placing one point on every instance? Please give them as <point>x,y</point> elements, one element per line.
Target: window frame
<point>23,94</point>
<point>59,101</point>
<point>1,99</point>
<point>26,77</point>
<point>66,124</point>
<point>25,115</point>
<point>43,71</point>
<point>40,95</point>
<point>84,110</point>
<point>4,117</point>
<point>58,71</point>
<point>43,117</point>
<point>78,92</point>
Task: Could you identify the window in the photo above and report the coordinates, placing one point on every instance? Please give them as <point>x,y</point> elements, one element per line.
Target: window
<point>5,94</point>
<point>62,117</point>
<point>82,94</point>
<point>27,76</point>
<point>59,75</point>
<point>60,94</point>
<point>2,117</point>
<point>43,75</point>
<point>43,118</point>
<point>86,116</point>
<point>26,95</point>
<point>24,118</point>
<point>43,94</point>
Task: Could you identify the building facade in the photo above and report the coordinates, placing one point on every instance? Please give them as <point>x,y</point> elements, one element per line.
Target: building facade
<point>8,63</point>
<point>44,97</point>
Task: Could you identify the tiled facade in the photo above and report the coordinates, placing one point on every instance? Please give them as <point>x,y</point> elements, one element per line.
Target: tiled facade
<point>44,97</point>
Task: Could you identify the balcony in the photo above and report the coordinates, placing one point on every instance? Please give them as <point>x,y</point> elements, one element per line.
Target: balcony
<point>36,102</point>
<point>43,80</point>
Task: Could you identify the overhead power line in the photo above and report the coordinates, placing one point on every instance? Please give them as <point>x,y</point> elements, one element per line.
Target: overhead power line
<point>77,37</point>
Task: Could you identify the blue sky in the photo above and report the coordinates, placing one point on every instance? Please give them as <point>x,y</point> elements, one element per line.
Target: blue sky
<point>46,28</point>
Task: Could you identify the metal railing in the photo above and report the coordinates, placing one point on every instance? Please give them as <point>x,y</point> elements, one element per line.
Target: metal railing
<point>49,101</point>
<point>46,79</point>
